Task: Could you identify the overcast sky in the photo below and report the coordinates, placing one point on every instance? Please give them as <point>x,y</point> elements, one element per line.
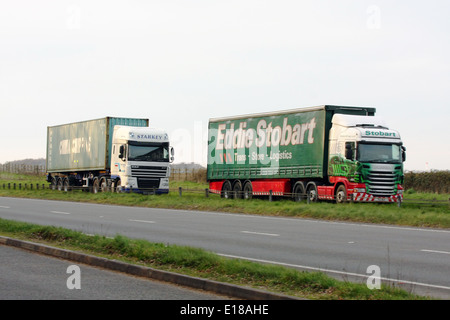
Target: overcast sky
<point>180,63</point>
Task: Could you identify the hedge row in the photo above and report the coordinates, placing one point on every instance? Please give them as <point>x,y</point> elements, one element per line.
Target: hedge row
<point>432,181</point>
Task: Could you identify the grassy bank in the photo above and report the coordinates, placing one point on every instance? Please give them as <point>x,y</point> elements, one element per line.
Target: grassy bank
<point>200,263</point>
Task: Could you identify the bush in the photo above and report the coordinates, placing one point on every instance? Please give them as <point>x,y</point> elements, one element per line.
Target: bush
<point>432,181</point>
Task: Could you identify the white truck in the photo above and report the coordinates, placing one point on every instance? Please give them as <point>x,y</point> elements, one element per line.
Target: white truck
<point>118,154</point>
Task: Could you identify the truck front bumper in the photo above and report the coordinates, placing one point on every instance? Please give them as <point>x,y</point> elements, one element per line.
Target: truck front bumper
<point>365,197</point>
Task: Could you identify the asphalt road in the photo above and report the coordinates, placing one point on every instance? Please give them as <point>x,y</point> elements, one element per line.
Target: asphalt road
<point>418,259</point>
<point>29,276</point>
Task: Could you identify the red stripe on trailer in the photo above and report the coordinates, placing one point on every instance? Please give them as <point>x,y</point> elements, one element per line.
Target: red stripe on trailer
<point>216,186</point>
<point>279,187</point>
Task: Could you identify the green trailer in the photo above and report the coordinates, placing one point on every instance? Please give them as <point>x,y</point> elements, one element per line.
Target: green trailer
<point>84,145</point>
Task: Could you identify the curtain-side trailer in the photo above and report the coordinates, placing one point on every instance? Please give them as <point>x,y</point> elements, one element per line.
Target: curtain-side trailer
<point>319,153</point>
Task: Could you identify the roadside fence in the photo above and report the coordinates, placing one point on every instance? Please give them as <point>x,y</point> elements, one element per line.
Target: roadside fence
<point>22,168</point>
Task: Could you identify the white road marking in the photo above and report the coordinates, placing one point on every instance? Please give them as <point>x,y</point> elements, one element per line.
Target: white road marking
<point>60,212</point>
<point>144,221</point>
<point>262,233</point>
<point>336,272</point>
<point>5,207</point>
<point>435,251</point>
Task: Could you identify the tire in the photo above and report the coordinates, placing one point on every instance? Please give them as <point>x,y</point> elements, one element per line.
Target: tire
<point>237,190</point>
<point>299,193</point>
<point>311,192</point>
<point>341,194</point>
<point>95,186</point>
<point>103,185</point>
<point>118,186</point>
<point>54,183</point>
<point>59,184</point>
<point>226,190</point>
<point>66,185</point>
<point>247,191</point>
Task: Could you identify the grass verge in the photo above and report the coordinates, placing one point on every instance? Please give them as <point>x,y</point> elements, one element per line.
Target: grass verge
<point>200,263</point>
<point>418,210</point>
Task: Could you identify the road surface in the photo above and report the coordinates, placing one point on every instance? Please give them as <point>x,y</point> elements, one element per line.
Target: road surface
<point>29,276</point>
<point>416,258</point>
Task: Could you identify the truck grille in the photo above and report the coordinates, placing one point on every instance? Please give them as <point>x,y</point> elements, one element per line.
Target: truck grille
<point>382,183</point>
<point>148,177</point>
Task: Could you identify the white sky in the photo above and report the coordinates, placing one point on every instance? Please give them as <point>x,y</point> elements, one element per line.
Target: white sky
<point>182,62</point>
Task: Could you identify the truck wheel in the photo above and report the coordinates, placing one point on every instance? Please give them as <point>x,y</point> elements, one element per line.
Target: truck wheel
<point>311,192</point>
<point>341,194</point>
<point>53,183</point>
<point>60,184</point>
<point>66,185</point>
<point>237,189</point>
<point>299,192</point>
<point>95,186</point>
<point>103,185</point>
<point>248,190</point>
<point>118,186</point>
<point>226,190</point>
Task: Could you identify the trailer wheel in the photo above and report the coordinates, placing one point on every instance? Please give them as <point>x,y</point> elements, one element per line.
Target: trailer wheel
<point>95,186</point>
<point>54,183</point>
<point>226,190</point>
<point>60,184</point>
<point>66,185</point>
<point>237,189</point>
<point>299,192</point>
<point>341,194</point>
<point>311,192</point>
<point>248,190</point>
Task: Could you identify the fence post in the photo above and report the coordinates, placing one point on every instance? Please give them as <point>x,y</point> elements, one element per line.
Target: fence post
<point>270,195</point>
<point>180,191</point>
<point>207,192</point>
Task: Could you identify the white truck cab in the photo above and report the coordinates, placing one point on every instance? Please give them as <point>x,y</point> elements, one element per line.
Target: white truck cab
<point>140,159</point>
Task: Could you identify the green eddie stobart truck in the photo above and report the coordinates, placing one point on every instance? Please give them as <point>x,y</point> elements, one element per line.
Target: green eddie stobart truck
<point>320,153</point>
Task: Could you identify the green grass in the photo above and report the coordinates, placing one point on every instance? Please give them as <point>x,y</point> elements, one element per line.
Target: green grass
<point>412,212</point>
<point>200,263</point>
<point>204,264</point>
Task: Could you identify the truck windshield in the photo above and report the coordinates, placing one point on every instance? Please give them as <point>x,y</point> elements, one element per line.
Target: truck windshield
<point>383,153</point>
<point>148,152</point>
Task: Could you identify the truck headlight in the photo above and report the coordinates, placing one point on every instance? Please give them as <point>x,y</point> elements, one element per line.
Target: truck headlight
<point>359,190</point>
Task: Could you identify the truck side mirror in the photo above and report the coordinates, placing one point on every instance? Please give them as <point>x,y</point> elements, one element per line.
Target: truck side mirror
<point>403,154</point>
<point>171,154</point>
